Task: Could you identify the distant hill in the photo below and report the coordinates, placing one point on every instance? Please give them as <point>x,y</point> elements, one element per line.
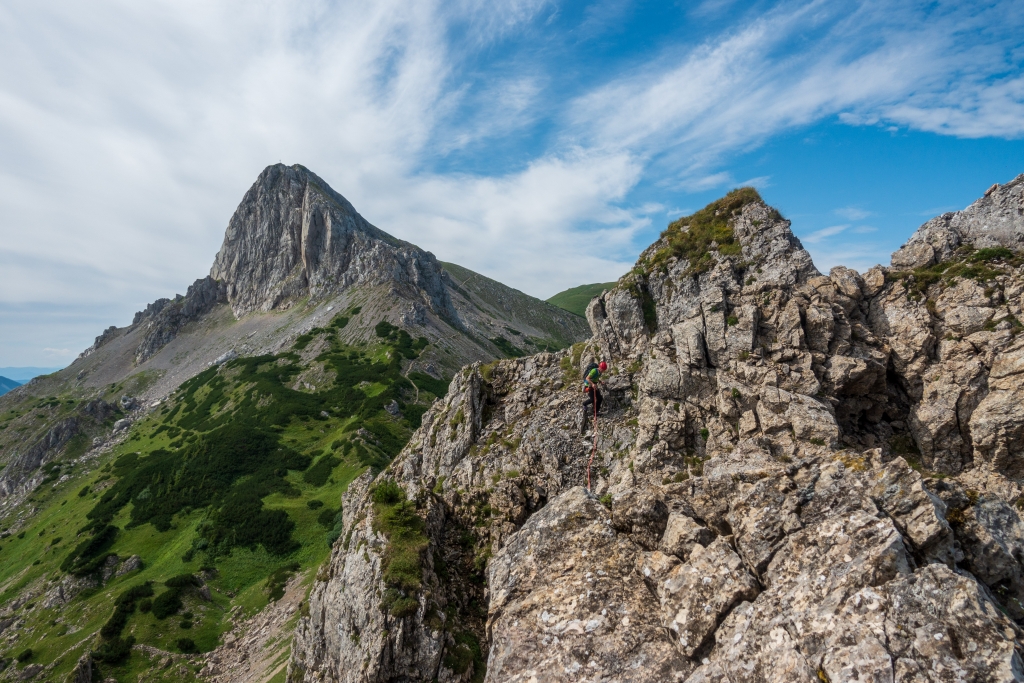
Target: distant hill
<point>575,300</point>
<point>7,384</point>
<point>24,374</point>
<point>538,325</point>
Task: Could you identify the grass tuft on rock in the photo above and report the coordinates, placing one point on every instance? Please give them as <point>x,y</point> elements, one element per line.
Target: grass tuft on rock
<point>395,517</point>
<point>691,237</point>
<point>982,266</point>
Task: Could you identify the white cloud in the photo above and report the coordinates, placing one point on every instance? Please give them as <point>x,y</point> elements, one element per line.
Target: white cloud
<point>865,63</point>
<point>706,182</point>
<point>852,213</point>
<point>824,233</point>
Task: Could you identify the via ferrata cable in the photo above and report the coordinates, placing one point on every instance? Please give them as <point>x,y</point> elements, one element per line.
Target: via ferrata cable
<point>594,449</point>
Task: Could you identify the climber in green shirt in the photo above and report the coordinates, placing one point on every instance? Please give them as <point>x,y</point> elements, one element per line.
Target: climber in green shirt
<point>591,386</point>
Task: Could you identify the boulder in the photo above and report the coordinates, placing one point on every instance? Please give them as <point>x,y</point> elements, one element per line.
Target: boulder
<point>642,514</point>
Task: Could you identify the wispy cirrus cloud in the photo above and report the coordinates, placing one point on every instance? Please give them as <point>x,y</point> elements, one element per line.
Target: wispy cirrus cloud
<point>950,69</point>
<point>852,213</point>
<point>823,234</point>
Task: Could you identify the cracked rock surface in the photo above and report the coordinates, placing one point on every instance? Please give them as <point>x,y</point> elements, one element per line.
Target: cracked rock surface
<point>798,477</point>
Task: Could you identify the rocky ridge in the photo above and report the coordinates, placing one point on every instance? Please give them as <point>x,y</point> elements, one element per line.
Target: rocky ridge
<point>799,477</point>
<point>294,240</point>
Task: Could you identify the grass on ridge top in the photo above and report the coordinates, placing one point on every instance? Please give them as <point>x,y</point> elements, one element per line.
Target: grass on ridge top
<point>691,237</point>
<point>576,299</point>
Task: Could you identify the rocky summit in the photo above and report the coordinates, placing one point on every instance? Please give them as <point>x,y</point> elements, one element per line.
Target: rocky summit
<point>293,236</point>
<point>797,477</point>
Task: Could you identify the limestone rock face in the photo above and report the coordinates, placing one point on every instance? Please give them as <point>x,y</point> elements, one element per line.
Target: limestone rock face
<point>27,463</point>
<point>798,477</point>
<point>697,594</point>
<point>566,602</point>
<point>294,236</point>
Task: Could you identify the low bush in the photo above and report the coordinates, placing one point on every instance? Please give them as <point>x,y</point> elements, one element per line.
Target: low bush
<point>124,607</point>
<point>465,652</point>
<point>114,651</point>
<point>182,581</point>
<point>277,581</point>
<point>507,347</point>
<point>396,518</point>
<point>167,603</point>
<point>320,471</point>
<point>89,555</point>
<point>328,517</point>
<point>187,646</point>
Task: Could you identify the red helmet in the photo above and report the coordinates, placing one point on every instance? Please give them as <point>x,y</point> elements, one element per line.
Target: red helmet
<point>602,366</point>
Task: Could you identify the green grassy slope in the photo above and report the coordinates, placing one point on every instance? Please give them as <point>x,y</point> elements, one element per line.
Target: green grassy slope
<point>236,480</point>
<point>577,299</point>
<point>553,329</point>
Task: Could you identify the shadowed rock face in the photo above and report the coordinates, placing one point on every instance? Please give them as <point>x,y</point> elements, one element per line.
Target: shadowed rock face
<point>293,236</point>
<point>799,477</point>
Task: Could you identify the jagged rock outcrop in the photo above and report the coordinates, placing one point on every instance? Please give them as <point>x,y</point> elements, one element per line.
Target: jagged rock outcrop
<point>294,236</point>
<point>23,473</point>
<point>24,465</point>
<point>163,319</point>
<point>799,478</point>
<point>995,220</point>
<point>82,673</point>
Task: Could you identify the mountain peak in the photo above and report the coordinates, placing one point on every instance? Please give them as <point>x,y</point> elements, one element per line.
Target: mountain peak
<point>734,232</point>
<point>294,236</point>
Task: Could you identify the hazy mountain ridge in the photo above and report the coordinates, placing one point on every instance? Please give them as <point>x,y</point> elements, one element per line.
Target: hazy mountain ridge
<point>800,478</point>
<point>7,384</point>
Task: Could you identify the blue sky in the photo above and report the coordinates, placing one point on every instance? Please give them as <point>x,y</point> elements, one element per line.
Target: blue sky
<point>544,144</point>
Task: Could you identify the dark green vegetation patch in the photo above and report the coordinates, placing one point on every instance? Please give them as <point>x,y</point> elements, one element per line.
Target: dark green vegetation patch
<point>395,517</point>
<point>507,347</point>
<point>279,579</point>
<point>466,652</point>
<point>227,452</point>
